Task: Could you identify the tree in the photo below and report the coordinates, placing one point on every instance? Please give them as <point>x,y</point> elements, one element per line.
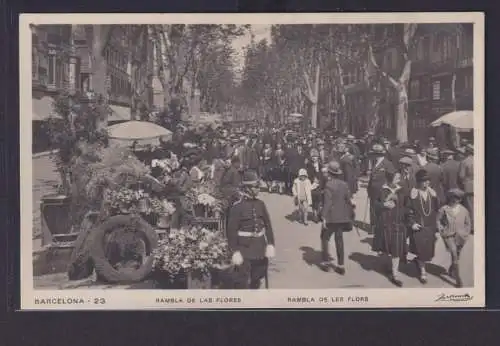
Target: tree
<point>181,53</point>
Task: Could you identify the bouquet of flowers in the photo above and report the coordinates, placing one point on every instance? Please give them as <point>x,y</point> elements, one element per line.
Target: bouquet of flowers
<point>207,200</point>
<point>123,200</point>
<point>205,195</point>
<point>191,249</point>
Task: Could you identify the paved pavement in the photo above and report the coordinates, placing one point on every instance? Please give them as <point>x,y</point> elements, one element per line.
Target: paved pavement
<point>297,246</point>
<point>298,255</point>
<point>45,181</point>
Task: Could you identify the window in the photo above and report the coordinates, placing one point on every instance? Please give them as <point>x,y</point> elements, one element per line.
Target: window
<point>52,70</point>
<point>468,82</point>
<point>436,90</point>
<point>447,48</point>
<point>34,64</point>
<point>415,89</point>
<point>420,49</point>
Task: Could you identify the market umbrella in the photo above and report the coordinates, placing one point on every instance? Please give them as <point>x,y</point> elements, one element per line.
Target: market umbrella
<point>140,132</point>
<point>461,120</point>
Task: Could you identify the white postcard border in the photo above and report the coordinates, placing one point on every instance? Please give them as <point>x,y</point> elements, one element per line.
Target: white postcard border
<point>116,299</point>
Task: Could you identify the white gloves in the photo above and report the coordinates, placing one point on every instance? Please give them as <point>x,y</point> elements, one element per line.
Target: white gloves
<point>270,252</point>
<point>237,259</point>
<point>389,204</point>
<point>416,227</point>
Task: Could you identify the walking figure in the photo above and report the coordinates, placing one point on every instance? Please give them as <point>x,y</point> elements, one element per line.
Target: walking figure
<point>250,235</point>
<point>454,225</point>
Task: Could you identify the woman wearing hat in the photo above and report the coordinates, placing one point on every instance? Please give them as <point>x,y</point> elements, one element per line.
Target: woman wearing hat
<point>454,225</point>
<point>337,215</point>
<point>392,235</point>
<point>423,206</point>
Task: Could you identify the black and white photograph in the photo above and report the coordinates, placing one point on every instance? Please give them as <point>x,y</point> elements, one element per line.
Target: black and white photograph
<point>319,160</point>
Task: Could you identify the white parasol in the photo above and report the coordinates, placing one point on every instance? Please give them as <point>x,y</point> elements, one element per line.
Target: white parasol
<point>141,132</point>
<point>461,120</point>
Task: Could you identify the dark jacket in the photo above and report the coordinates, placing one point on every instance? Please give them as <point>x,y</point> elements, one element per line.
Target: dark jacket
<point>295,160</point>
<point>349,172</point>
<point>450,169</point>
<point>378,179</point>
<point>230,183</point>
<point>435,176</point>
<point>249,216</point>
<point>337,207</point>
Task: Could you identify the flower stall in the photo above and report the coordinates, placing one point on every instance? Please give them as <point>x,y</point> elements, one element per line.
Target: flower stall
<point>189,257</point>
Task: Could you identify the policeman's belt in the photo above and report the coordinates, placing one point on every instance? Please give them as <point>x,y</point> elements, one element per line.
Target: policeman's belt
<point>251,234</point>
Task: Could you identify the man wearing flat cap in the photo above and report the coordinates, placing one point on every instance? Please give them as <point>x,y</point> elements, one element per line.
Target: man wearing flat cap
<point>450,167</point>
<point>250,235</point>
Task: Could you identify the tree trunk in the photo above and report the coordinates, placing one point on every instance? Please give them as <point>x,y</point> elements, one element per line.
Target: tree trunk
<point>402,114</point>
<point>100,37</point>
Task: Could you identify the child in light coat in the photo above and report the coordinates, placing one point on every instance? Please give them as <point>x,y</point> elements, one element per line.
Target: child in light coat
<point>302,188</point>
<point>454,225</point>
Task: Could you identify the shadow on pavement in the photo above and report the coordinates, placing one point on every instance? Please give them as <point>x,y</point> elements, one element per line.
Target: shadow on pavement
<point>293,217</point>
<point>370,262</point>
<point>311,256</point>
<point>363,226</point>
<point>439,272</point>
<point>367,240</point>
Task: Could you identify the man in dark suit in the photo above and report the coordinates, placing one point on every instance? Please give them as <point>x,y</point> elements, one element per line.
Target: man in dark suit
<point>380,166</point>
<point>347,166</point>
<point>337,216</point>
<point>450,169</point>
<point>407,174</point>
<point>231,180</point>
<point>250,235</point>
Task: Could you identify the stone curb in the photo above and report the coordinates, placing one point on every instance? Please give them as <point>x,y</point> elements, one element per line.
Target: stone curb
<point>44,153</point>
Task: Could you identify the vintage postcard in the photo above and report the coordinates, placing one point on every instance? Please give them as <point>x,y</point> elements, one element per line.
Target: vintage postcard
<point>252,161</point>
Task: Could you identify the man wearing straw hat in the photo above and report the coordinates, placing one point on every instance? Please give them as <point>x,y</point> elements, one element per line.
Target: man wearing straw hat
<point>250,235</point>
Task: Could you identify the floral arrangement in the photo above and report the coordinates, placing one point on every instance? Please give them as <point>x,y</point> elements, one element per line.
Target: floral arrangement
<point>127,200</point>
<point>205,194</point>
<point>207,200</point>
<point>192,249</point>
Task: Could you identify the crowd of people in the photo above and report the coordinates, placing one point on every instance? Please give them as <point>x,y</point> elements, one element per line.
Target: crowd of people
<point>416,192</point>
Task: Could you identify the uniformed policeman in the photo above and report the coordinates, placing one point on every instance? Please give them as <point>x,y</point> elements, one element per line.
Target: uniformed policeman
<point>250,235</point>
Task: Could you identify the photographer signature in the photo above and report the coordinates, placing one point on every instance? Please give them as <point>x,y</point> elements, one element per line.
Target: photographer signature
<point>454,297</point>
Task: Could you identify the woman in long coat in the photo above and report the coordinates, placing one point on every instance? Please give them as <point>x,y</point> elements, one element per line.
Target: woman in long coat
<point>280,172</point>
<point>267,164</point>
<point>423,206</point>
<point>392,235</point>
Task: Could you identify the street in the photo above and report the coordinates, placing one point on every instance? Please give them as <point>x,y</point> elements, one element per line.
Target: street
<point>297,246</point>
<point>298,255</point>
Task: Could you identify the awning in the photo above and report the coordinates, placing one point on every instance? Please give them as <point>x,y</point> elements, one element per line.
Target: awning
<point>42,109</point>
<point>119,113</point>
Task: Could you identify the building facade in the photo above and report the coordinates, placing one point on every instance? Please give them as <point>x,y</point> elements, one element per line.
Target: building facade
<point>54,69</point>
<point>441,79</point>
<point>442,74</point>
<point>127,51</point>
